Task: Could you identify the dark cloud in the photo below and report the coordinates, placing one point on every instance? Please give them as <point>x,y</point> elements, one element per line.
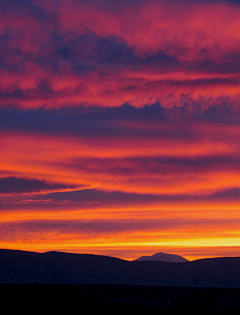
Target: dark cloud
<point>148,166</point>
<point>10,185</point>
<point>95,198</point>
<point>93,121</point>
<point>95,228</point>
<point>121,121</point>
<point>226,194</point>
<point>99,199</point>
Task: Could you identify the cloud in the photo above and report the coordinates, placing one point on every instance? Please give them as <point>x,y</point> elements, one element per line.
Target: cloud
<point>90,122</point>
<point>68,53</point>
<point>104,231</point>
<point>227,194</point>
<point>105,227</point>
<point>150,150</point>
<point>9,185</point>
<point>125,121</point>
<point>95,199</point>
<point>144,166</point>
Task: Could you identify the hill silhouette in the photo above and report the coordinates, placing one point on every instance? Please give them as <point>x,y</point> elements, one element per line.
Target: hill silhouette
<point>67,268</point>
<point>163,257</point>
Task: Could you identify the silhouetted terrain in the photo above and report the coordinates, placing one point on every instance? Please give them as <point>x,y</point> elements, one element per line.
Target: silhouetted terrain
<point>55,282</point>
<point>66,268</point>
<point>79,298</point>
<point>162,257</point>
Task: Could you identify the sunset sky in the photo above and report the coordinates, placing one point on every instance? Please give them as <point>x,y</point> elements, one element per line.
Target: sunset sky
<point>120,127</point>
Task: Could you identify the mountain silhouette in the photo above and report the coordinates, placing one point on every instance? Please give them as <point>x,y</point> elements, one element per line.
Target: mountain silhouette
<point>67,268</point>
<point>163,257</point>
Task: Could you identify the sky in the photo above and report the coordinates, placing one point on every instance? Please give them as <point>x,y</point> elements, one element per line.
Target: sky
<point>120,127</point>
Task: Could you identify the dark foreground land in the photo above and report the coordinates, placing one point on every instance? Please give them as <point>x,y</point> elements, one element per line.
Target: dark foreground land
<point>43,283</point>
<point>82,298</point>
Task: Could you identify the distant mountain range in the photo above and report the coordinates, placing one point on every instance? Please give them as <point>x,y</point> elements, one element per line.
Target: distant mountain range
<point>163,257</point>
<point>66,268</point>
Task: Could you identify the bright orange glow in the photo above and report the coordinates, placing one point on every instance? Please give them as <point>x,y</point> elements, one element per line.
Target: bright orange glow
<point>124,229</point>
<point>127,232</point>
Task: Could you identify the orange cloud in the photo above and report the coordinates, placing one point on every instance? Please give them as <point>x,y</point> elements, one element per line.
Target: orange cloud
<point>136,191</point>
<point>126,232</point>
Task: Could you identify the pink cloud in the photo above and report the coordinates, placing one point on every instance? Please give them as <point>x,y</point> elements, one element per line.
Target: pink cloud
<point>110,53</point>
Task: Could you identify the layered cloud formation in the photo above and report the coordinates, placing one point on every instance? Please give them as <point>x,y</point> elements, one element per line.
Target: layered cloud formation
<point>119,126</point>
<point>61,53</point>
